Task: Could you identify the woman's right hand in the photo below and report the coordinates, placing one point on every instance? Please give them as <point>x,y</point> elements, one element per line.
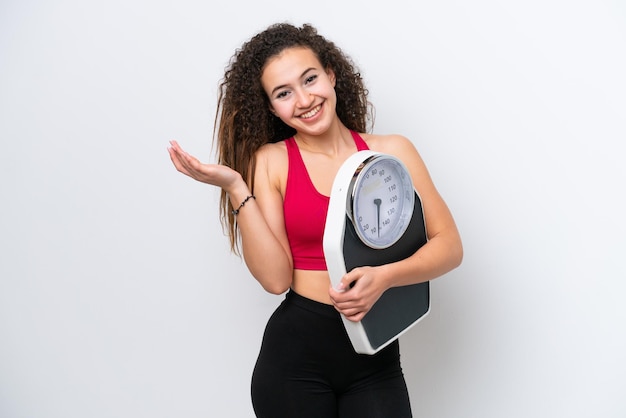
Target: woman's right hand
<point>215,174</point>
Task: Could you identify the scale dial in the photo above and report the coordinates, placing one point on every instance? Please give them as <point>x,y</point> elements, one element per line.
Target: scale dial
<point>382,200</point>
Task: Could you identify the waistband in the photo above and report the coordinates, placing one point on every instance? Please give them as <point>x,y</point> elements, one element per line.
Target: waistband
<point>310,304</point>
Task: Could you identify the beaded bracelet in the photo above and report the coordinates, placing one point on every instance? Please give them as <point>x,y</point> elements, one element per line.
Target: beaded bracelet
<point>235,212</point>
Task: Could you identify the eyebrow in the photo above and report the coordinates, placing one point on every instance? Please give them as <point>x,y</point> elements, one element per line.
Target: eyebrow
<point>285,85</point>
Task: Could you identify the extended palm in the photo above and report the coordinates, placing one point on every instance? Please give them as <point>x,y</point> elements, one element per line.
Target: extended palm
<point>215,174</point>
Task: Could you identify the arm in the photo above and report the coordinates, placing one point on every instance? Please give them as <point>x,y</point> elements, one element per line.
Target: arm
<point>260,221</point>
<point>442,253</point>
<point>264,240</point>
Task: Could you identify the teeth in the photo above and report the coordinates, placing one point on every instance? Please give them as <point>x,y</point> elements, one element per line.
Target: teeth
<point>311,113</point>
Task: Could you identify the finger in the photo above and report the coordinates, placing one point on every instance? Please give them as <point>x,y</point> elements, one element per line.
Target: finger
<point>349,306</point>
<point>183,155</point>
<point>348,280</point>
<point>334,293</point>
<point>177,161</point>
<point>174,157</point>
<point>355,318</point>
<point>174,144</point>
<point>354,315</point>
<point>341,297</point>
<point>188,162</point>
<point>175,148</point>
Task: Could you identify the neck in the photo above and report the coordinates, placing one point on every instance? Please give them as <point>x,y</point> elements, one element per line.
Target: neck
<point>332,142</point>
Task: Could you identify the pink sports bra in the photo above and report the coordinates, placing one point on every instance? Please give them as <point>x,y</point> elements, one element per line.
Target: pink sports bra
<point>305,210</point>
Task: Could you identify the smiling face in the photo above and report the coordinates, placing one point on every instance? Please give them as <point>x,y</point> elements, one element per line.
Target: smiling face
<point>300,91</point>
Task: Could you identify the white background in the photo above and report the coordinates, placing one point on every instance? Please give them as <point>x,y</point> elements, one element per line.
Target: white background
<point>118,294</point>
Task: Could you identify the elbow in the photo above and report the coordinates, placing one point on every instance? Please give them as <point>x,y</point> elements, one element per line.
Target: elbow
<point>457,255</point>
<point>277,285</point>
<point>273,280</point>
<point>276,288</point>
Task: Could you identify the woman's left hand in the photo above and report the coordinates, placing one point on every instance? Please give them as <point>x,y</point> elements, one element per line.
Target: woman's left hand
<point>357,292</point>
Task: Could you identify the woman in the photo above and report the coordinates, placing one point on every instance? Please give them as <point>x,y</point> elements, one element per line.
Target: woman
<point>292,108</point>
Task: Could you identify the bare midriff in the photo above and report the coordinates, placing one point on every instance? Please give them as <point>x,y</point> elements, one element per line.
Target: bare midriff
<point>312,284</point>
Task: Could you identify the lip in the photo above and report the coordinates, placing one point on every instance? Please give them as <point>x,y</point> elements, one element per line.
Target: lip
<point>316,109</point>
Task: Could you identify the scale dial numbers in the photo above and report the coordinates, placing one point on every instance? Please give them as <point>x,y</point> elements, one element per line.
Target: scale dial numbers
<point>382,201</point>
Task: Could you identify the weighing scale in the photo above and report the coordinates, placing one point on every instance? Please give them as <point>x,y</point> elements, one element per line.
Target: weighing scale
<point>375,217</point>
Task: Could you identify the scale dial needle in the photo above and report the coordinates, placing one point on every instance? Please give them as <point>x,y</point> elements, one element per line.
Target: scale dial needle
<point>377,202</point>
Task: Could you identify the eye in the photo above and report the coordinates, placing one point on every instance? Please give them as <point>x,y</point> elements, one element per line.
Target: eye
<point>310,79</point>
<point>282,94</point>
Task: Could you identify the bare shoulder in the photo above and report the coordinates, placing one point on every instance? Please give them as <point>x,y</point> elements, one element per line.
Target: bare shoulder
<point>393,144</point>
<point>272,164</point>
<point>272,152</point>
<point>401,147</point>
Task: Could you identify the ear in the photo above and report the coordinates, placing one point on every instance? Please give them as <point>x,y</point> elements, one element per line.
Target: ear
<point>331,76</point>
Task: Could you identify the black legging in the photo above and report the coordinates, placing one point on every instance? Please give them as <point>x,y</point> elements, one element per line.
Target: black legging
<point>307,368</point>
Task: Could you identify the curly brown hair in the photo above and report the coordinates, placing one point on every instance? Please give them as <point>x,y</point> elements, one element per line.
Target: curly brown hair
<point>243,122</point>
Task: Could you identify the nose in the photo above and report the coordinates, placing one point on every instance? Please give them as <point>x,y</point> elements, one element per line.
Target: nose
<point>305,99</point>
